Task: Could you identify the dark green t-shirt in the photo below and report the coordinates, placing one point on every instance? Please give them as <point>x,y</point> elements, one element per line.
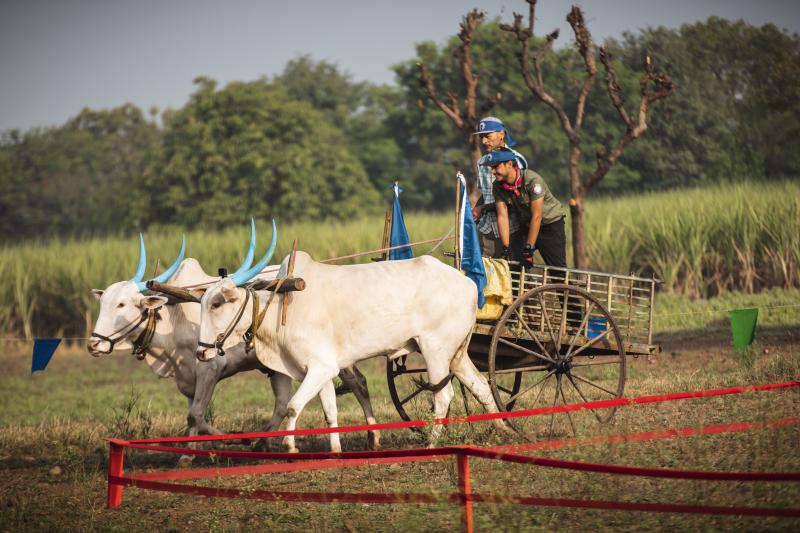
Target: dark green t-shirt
<point>533,187</point>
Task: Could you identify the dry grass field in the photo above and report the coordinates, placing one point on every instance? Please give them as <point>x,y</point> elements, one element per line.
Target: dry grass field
<point>53,457</point>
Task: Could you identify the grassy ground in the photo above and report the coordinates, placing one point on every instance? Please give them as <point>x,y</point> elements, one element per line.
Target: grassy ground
<point>53,458</point>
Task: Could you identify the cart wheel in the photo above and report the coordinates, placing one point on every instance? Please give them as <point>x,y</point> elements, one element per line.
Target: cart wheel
<point>547,337</point>
<point>416,403</point>
<point>411,401</point>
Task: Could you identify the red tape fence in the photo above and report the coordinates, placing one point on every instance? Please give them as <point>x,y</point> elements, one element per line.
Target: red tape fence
<point>321,460</point>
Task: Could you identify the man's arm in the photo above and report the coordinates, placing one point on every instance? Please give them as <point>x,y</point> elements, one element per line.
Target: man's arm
<point>481,209</point>
<point>536,220</point>
<point>502,222</point>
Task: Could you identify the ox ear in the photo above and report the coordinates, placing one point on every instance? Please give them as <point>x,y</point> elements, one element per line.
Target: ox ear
<point>98,293</point>
<point>229,294</point>
<point>197,293</point>
<point>153,302</point>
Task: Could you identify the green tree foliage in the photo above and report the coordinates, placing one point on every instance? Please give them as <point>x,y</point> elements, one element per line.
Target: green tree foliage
<point>359,109</point>
<point>249,150</point>
<point>76,179</point>
<point>736,112</point>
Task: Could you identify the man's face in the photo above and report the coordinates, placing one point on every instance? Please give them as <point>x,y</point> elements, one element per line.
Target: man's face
<point>505,171</point>
<point>492,140</point>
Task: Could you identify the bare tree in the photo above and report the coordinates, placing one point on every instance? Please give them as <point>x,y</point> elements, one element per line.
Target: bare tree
<point>653,87</point>
<point>463,113</point>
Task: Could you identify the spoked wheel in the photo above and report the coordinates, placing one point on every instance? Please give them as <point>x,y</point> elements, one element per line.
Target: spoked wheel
<point>568,349</point>
<point>416,403</point>
<point>411,401</point>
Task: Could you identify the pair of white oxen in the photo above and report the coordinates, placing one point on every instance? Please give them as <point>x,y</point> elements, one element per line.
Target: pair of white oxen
<point>346,314</point>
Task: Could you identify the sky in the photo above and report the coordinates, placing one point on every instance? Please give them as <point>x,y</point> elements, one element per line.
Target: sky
<point>59,56</point>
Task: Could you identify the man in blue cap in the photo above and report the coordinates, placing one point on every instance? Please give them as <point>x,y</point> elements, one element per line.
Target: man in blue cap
<point>493,135</point>
<point>523,192</point>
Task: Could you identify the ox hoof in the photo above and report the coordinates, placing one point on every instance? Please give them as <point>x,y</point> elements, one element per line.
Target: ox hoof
<point>373,441</point>
<point>261,445</point>
<point>185,461</point>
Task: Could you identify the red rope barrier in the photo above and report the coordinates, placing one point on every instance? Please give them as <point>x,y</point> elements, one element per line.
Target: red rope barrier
<point>379,497</point>
<point>553,444</point>
<point>149,480</point>
<point>588,406</point>
<point>670,473</point>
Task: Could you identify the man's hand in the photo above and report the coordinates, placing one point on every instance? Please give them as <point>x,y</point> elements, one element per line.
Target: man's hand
<point>477,212</point>
<point>527,255</point>
<point>505,254</point>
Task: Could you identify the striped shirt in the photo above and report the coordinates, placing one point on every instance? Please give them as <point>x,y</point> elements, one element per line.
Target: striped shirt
<point>488,222</point>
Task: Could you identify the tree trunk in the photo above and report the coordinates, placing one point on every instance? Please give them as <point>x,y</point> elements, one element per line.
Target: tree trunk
<point>472,182</point>
<point>576,208</point>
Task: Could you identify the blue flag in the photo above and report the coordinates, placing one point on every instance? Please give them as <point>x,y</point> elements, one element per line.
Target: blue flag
<point>471,260</point>
<point>43,350</point>
<point>399,235</point>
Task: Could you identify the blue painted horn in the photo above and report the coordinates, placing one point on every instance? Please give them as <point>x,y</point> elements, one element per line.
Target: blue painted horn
<point>248,260</point>
<point>164,276</point>
<point>243,277</point>
<point>142,262</point>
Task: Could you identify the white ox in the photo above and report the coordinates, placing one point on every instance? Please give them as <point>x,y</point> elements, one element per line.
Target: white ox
<point>171,350</point>
<point>350,313</point>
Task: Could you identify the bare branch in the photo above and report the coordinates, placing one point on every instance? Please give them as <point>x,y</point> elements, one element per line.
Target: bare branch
<point>614,90</point>
<point>468,27</point>
<point>429,89</point>
<point>465,116</point>
<point>662,87</point>
<point>535,84</point>
<point>584,39</point>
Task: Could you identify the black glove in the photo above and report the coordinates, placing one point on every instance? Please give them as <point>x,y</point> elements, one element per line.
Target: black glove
<point>505,254</point>
<point>527,255</point>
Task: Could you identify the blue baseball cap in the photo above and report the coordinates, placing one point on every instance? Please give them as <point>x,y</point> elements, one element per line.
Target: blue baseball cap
<point>490,124</point>
<point>499,156</point>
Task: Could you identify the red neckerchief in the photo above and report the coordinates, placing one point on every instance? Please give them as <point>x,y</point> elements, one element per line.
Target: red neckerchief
<point>513,188</point>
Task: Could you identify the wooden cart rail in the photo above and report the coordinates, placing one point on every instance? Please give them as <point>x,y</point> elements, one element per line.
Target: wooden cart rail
<point>628,299</point>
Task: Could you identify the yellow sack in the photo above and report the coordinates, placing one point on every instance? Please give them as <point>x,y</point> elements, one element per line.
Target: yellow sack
<point>498,289</point>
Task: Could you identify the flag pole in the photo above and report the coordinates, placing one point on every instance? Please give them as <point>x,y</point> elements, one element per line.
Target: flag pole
<point>457,249</point>
<point>387,224</point>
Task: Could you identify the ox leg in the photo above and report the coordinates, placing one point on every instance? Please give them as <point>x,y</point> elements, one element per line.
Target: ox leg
<point>316,377</point>
<point>186,460</point>
<point>438,370</point>
<point>465,371</point>
<point>282,390</point>
<point>208,375</point>
<point>327,395</point>
<point>357,383</point>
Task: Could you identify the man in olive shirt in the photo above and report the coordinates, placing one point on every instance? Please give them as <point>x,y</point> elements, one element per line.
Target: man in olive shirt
<point>540,214</point>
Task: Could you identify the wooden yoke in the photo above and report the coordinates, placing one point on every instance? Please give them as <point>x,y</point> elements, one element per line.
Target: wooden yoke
<point>288,285</point>
<point>178,293</point>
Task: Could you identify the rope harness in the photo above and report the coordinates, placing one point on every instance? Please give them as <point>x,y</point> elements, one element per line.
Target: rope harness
<point>142,342</point>
<point>222,337</point>
<point>258,317</point>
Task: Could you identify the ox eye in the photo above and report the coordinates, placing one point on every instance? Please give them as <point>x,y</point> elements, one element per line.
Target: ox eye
<point>215,305</point>
<point>120,305</point>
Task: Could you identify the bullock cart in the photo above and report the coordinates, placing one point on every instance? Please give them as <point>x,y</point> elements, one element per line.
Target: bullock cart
<point>565,338</point>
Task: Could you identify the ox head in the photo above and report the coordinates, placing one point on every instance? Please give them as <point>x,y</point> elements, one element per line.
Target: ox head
<point>225,313</point>
<point>123,307</point>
